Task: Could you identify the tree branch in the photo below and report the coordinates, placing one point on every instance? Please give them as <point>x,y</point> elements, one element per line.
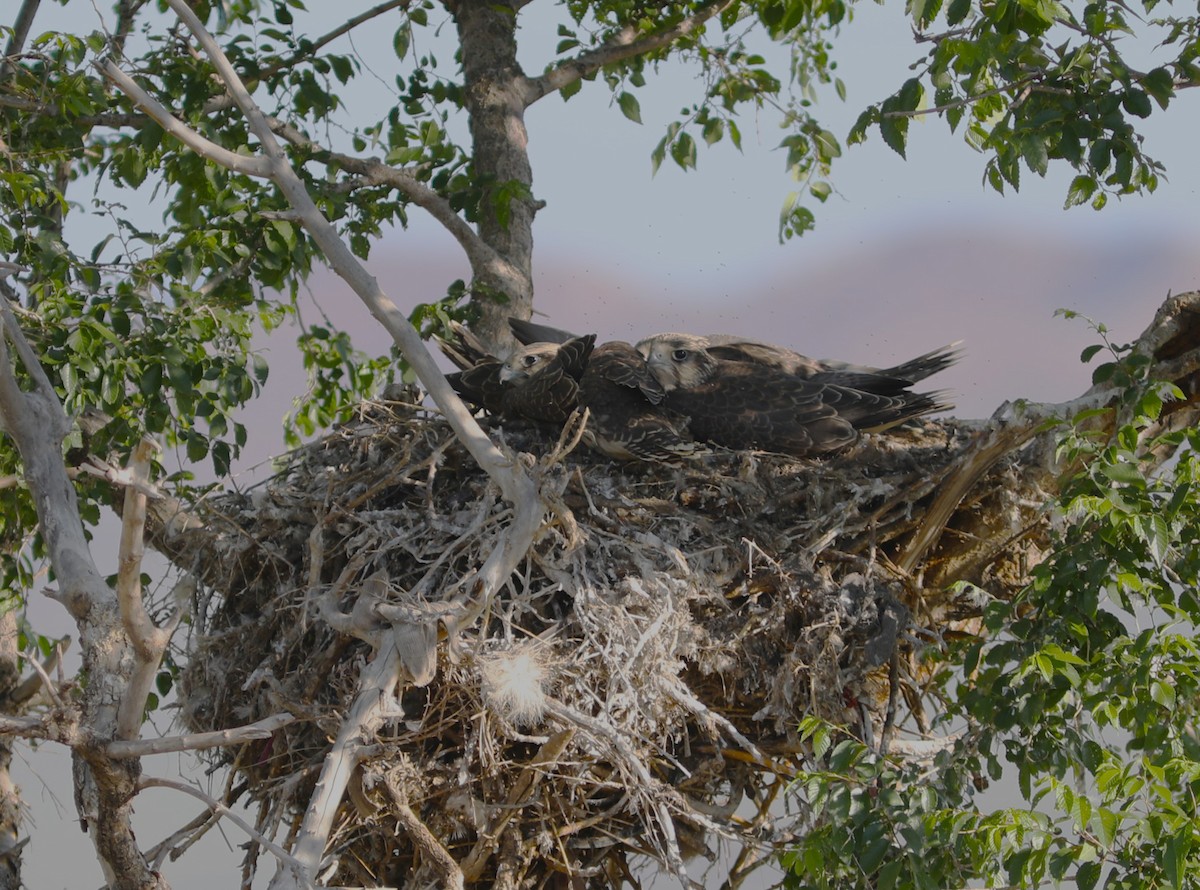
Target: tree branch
<point>625,44</point>
<point>375,700</point>
<point>21,28</point>
<point>199,741</point>
<point>250,166</point>
<point>372,172</point>
<point>44,728</point>
<point>448,871</point>
<point>346,27</point>
<point>285,858</point>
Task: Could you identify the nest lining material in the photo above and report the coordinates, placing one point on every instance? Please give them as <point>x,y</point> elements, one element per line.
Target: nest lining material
<point>635,688</point>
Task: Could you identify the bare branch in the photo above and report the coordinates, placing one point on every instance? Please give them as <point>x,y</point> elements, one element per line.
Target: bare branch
<point>285,858</point>
<point>40,678</point>
<point>625,44</point>
<point>374,704</point>
<point>58,726</point>
<point>143,633</point>
<point>449,872</point>
<point>251,166</point>
<point>262,729</point>
<point>516,485</point>
<point>373,172</point>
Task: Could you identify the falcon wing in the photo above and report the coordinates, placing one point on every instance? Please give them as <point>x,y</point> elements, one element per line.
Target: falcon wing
<point>464,349</point>
<point>551,393</point>
<point>626,420</point>
<point>528,332</point>
<point>480,386</point>
<point>746,405</point>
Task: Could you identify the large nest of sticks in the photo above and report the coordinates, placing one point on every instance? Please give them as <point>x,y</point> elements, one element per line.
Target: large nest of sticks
<point>635,690</point>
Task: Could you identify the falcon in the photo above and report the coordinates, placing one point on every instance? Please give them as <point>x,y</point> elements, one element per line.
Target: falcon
<point>541,381</point>
<point>730,347</point>
<point>627,420</point>
<point>885,381</point>
<point>537,382</point>
<point>751,404</point>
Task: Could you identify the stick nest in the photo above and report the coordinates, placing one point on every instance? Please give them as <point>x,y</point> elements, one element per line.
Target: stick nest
<point>634,689</point>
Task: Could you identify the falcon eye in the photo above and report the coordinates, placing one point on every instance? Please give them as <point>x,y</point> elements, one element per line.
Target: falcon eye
<point>680,355</point>
<point>529,361</point>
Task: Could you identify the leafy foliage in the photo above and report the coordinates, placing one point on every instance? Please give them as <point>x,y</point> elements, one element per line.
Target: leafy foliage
<point>1083,689</point>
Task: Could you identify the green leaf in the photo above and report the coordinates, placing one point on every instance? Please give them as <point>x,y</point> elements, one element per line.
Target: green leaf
<point>402,40</point>
<point>1136,103</point>
<point>1087,875</point>
<point>895,133</point>
<point>629,107</point>
<point>1082,188</point>
<point>1160,85</point>
<point>683,151</point>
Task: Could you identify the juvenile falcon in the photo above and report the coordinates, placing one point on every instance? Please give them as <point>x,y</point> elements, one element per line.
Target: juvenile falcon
<point>538,382</point>
<point>885,381</point>
<point>627,419</point>
<point>541,381</point>
<point>748,404</point>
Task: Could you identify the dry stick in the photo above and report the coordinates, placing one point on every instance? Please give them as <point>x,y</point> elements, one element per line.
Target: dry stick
<point>199,741</point>
<point>41,675</point>
<point>520,792</point>
<point>610,734</point>
<point>422,837</point>
<point>220,809</point>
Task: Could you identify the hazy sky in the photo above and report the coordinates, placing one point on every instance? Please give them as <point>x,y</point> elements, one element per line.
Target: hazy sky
<point>906,256</point>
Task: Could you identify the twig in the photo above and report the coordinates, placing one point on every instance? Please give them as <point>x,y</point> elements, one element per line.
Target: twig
<point>285,858</point>
<point>44,676</point>
<point>262,729</point>
<point>520,792</point>
<point>41,676</point>
<point>600,729</point>
<point>449,872</point>
<point>627,43</point>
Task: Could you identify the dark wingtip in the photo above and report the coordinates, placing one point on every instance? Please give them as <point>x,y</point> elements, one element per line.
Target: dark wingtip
<point>527,332</point>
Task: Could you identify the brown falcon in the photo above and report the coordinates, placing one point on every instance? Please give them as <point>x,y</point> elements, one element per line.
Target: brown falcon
<point>537,382</point>
<point>885,381</point>
<point>626,419</point>
<point>541,381</point>
<point>749,404</point>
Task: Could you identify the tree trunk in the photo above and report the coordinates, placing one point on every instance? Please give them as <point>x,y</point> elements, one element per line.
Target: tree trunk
<point>494,96</point>
<point>10,795</point>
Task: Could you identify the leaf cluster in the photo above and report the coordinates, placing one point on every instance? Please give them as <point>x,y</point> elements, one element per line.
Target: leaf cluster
<point>1082,692</point>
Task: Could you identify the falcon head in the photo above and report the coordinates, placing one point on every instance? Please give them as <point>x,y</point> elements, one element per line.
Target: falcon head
<point>527,361</point>
<point>678,361</point>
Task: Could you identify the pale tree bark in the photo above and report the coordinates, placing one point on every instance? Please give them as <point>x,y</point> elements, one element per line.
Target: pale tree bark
<point>104,789</point>
<point>494,95</point>
<point>10,796</point>
<point>386,671</point>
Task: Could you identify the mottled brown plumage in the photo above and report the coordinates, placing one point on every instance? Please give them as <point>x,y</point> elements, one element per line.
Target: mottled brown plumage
<point>538,382</point>
<point>627,419</point>
<point>749,404</point>
<point>884,381</point>
<point>541,381</point>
